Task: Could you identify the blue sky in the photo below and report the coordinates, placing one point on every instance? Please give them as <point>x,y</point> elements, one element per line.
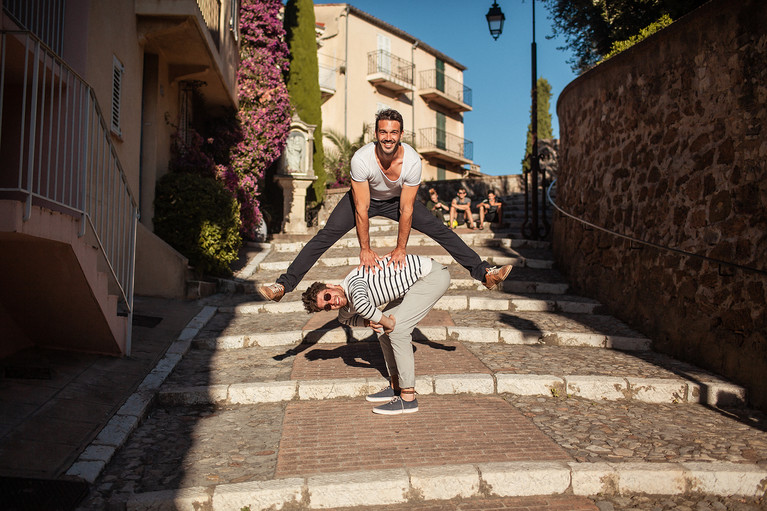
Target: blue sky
<point>498,71</point>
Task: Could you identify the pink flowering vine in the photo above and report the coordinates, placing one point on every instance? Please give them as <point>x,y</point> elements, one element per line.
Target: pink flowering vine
<point>265,112</point>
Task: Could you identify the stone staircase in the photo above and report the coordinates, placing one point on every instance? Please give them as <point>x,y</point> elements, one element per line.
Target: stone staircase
<point>525,391</point>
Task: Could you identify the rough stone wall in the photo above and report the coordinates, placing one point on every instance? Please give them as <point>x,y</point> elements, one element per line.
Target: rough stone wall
<point>667,142</point>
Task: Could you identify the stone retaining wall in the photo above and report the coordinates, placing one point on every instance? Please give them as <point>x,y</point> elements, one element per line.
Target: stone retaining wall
<point>667,143</point>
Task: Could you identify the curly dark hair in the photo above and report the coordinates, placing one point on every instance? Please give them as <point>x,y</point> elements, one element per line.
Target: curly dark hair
<point>390,115</point>
<point>309,297</point>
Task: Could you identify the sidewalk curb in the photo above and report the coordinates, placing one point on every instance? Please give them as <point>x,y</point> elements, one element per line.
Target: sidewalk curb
<point>507,479</point>
<point>95,457</point>
<point>595,388</point>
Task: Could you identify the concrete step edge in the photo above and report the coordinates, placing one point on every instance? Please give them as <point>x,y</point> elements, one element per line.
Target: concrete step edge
<point>591,387</point>
<point>449,303</point>
<point>505,479</point>
<point>450,333</point>
<point>508,286</point>
<point>472,239</point>
<point>520,262</point>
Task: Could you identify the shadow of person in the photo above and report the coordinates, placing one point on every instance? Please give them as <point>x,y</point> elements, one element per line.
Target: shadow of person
<point>366,355</point>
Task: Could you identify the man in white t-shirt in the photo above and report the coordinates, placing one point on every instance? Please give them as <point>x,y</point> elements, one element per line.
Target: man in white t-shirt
<point>385,176</point>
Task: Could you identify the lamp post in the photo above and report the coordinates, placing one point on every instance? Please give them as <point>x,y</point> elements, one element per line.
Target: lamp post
<point>495,19</point>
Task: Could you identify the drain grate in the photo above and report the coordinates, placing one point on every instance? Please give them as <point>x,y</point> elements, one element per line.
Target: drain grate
<point>22,494</point>
<point>146,321</point>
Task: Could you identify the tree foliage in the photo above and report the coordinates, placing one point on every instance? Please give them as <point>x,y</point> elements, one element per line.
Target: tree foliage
<point>590,27</point>
<point>620,46</point>
<point>544,120</point>
<point>303,78</point>
<point>338,161</point>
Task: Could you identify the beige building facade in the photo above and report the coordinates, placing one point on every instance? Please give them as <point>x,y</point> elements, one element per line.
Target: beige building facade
<point>366,64</point>
<point>91,93</point>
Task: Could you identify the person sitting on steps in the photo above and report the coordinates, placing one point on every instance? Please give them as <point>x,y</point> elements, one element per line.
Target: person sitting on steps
<point>461,205</point>
<point>490,210</point>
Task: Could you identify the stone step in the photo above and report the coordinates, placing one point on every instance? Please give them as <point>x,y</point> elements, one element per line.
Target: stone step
<point>471,238</point>
<point>456,299</point>
<point>236,338</point>
<point>496,260</point>
<point>522,478</point>
<point>595,388</point>
<point>323,371</point>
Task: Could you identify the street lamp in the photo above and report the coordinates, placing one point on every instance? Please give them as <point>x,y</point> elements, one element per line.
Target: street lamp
<point>495,20</point>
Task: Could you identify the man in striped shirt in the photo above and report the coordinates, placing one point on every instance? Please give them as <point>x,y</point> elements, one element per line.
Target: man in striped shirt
<point>420,283</point>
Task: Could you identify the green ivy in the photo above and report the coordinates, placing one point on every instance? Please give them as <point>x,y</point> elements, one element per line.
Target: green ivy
<point>619,46</point>
<point>198,217</point>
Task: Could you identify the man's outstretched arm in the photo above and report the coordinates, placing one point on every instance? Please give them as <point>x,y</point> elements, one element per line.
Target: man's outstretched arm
<point>361,195</point>
<point>406,204</point>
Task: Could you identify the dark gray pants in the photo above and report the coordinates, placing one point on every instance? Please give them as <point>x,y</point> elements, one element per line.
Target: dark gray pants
<point>342,220</point>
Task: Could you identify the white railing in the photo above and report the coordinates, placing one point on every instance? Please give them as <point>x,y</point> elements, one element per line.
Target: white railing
<point>44,18</point>
<point>56,150</point>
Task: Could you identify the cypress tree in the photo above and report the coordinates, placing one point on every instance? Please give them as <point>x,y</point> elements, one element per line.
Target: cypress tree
<point>544,121</point>
<point>303,78</point>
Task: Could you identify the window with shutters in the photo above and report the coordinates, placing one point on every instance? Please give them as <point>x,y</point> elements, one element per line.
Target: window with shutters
<point>117,78</point>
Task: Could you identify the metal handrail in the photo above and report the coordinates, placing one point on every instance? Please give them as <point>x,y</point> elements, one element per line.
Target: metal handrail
<point>650,243</point>
<point>66,157</point>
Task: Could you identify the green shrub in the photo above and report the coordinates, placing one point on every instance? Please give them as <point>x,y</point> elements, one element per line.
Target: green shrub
<point>198,217</point>
<point>619,46</point>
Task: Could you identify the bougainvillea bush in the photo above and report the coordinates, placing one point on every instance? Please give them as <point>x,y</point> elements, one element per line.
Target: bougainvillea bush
<point>265,112</point>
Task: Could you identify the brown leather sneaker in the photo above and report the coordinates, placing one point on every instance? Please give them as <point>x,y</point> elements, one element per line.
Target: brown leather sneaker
<point>496,275</point>
<point>273,292</point>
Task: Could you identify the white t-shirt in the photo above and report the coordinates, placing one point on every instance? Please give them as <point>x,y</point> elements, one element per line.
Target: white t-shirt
<point>365,168</point>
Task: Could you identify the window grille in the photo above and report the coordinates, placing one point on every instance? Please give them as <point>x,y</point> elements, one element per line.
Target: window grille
<point>117,77</point>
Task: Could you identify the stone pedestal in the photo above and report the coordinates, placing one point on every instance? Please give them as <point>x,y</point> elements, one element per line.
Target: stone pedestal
<point>294,199</point>
<point>295,174</point>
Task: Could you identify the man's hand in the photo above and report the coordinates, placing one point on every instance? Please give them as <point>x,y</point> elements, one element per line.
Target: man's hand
<point>369,260</point>
<point>388,323</point>
<point>398,258</point>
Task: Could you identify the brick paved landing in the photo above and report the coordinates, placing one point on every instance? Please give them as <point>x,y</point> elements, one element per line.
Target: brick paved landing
<point>365,360</point>
<point>344,435</point>
<point>545,503</point>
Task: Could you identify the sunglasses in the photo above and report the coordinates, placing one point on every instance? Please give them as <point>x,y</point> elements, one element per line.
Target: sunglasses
<point>327,298</point>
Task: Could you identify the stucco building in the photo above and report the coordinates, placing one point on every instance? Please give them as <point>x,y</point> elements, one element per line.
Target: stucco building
<point>366,64</point>
<point>90,94</point>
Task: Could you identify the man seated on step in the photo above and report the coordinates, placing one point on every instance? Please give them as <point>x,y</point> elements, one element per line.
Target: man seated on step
<point>490,210</point>
<point>385,178</point>
<point>460,209</point>
<point>420,282</point>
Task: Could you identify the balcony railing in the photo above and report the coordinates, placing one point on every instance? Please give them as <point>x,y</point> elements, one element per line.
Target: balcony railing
<point>211,13</point>
<point>389,69</point>
<point>57,151</point>
<point>436,79</point>
<point>436,138</point>
<point>44,18</point>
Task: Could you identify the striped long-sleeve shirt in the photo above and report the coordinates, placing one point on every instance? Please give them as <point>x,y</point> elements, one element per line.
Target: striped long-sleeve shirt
<point>367,290</point>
